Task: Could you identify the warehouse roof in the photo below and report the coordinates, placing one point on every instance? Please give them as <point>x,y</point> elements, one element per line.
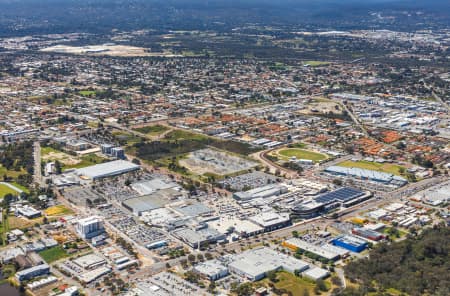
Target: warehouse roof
<point>351,240</point>
<point>318,250</point>
<point>146,203</point>
<point>193,209</point>
<point>341,194</point>
<point>150,186</point>
<point>107,169</point>
<point>210,267</point>
<point>261,260</point>
<point>365,174</point>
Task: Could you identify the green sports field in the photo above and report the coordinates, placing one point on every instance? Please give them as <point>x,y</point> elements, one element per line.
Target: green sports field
<point>302,154</point>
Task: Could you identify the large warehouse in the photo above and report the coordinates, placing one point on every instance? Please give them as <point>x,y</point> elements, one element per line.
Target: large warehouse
<point>364,174</point>
<point>351,243</point>
<point>254,264</point>
<point>159,199</point>
<point>107,169</point>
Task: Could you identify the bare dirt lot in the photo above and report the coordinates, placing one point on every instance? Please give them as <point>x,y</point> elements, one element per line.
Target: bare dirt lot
<point>216,162</point>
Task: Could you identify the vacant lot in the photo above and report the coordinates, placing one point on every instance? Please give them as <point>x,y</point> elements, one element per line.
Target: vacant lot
<point>302,154</point>
<point>70,161</point>
<point>152,130</point>
<point>22,223</point>
<point>369,165</point>
<point>215,162</point>
<point>85,160</point>
<point>53,254</point>
<point>51,154</point>
<point>296,285</point>
<point>179,142</point>
<point>59,210</point>
<point>125,138</point>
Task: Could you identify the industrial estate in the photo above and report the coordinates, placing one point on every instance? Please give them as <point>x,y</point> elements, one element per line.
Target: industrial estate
<point>133,171</point>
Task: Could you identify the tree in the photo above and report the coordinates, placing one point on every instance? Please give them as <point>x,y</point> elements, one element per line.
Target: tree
<point>191,258</point>
<point>337,182</point>
<point>192,277</point>
<point>321,285</point>
<point>245,289</point>
<point>336,281</point>
<point>272,276</point>
<point>212,287</point>
<point>295,233</point>
<point>208,256</point>
<point>58,168</point>
<point>200,257</point>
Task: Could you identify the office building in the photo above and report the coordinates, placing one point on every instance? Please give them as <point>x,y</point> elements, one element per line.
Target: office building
<point>90,227</point>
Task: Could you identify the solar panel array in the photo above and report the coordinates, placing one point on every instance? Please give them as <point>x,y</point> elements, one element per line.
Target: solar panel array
<point>342,194</point>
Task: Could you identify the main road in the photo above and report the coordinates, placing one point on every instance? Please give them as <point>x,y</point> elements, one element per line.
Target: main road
<point>37,171</point>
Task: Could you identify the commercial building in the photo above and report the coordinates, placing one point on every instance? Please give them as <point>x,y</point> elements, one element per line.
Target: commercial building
<point>150,186</point>
<point>254,264</point>
<point>92,275</point>
<point>42,282</point>
<point>435,196</point>
<point>89,261</point>
<point>297,243</point>
<point>118,152</point>
<point>107,169</point>
<point>364,174</point>
<point>106,148</point>
<point>193,209</point>
<point>261,192</point>
<point>212,269</point>
<point>350,243</point>
<point>77,145</point>
<point>90,227</point>
<point>342,197</point>
<point>71,291</point>
<point>196,238</point>
<point>127,264</point>
<point>32,272</point>
<point>153,201</point>
<point>28,212</point>
<point>270,221</point>
<point>316,273</point>
<point>368,234</point>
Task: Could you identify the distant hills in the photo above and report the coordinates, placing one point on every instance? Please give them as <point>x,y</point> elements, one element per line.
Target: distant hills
<point>18,17</point>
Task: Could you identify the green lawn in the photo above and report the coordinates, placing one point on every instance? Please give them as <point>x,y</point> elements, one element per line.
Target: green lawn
<point>295,285</point>
<point>23,188</point>
<point>302,154</point>
<point>152,130</point>
<point>316,63</point>
<point>48,150</point>
<point>87,93</point>
<point>180,134</point>
<point>53,254</point>
<point>4,190</point>
<point>379,167</point>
